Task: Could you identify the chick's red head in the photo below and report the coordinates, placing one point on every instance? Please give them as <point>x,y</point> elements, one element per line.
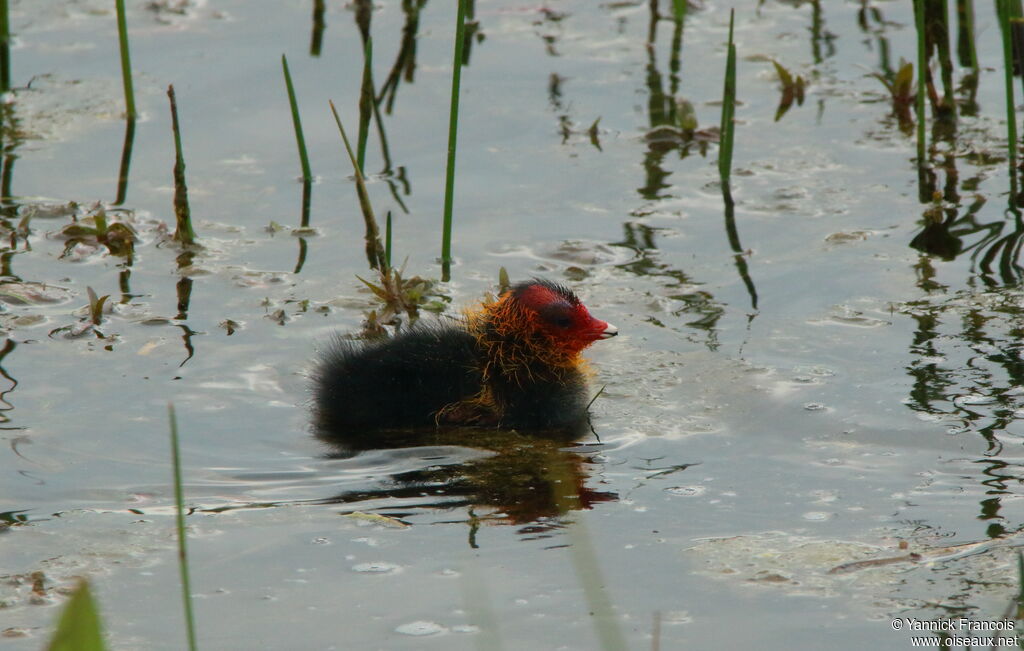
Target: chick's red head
<point>557,312</point>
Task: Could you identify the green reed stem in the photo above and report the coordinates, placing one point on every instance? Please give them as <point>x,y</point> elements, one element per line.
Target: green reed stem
<point>5,49</point>
<point>922,68</point>
<point>126,159</point>
<point>679,10</point>
<point>728,127</point>
<point>300,140</point>
<point>584,556</point>
<point>317,39</point>
<point>453,126</point>
<point>387,239</point>
<point>179,502</point>
<point>475,598</point>
<point>183,215</point>
<point>1018,611</point>
<point>966,47</point>
<point>126,61</point>
<point>1003,7</point>
<point>366,101</point>
<point>375,253</point>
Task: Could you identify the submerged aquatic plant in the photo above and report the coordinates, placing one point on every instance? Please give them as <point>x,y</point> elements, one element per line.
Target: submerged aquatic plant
<point>901,92</point>
<point>792,89</point>
<point>96,304</point>
<point>400,296</point>
<point>397,295</point>
<point>91,319</point>
<point>97,230</point>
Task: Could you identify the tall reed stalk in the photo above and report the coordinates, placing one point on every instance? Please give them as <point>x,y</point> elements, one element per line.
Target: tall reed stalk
<point>183,214</point>
<point>126,62</point>
<point>679,10</point>
<point>453,126</point>
<point>922,70</point>
<point>387,239</point>
<point>728,127</point>
<point>126,160</point>
<point>300,140</point>
<point>366,102</point>
<point>1004,10</point>
<point>375,253</point>
<point>179,502</point>
<point>584,557</point>
<point>5,49</point>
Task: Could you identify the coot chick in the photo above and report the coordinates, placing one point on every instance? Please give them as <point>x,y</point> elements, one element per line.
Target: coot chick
<point>512,363</point>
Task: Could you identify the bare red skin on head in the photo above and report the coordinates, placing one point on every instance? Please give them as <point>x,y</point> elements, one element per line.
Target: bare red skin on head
<point>583,329</point>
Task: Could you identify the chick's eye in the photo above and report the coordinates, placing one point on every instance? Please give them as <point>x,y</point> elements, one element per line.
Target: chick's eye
<point>557,316</point>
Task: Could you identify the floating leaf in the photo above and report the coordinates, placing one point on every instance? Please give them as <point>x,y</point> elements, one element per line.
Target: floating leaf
<point>29,293</point>
<point>375,518</point>
<point>686,115</point>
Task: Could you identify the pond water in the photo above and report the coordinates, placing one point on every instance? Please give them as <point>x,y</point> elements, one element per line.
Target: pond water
<point>811,422</point>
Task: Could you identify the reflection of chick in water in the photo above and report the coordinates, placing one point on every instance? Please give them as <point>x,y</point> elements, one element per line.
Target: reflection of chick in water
<point>527,479</point>
<point>514,363</point>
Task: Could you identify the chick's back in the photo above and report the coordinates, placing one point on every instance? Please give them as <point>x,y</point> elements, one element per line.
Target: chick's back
<point>398,382</point>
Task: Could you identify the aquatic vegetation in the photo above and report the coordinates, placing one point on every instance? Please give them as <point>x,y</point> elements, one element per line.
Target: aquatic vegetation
<point>375,253</point>
<point>792,89</point>
<point>728,128</point>
<point>922,67</point>
<point>307,175</point>
<point>300,140</point>
<point>679,10</point>
<point>453,126</point>
<point>91,319</point>
<point>96,304</point>
<point>95,230</point>
<point>367,104</point>
<point>179,521</point>
<point>397,295</point>
<point>1007,18</point>
<point>126,62</point>
<point>901,91</point>
<point>400,297</point>
<point>183,231</point>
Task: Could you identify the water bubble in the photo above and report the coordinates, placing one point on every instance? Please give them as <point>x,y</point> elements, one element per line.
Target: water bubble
<point>817,516</point>
<point>686,491</point>
<point>377,567</point>
<point>420,628</point>
<point>974,399</point>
